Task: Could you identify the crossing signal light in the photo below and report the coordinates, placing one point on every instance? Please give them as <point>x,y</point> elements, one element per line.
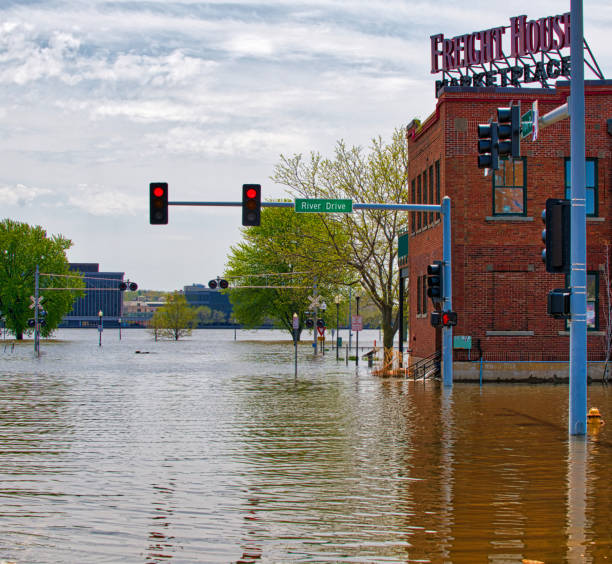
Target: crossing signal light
<point>309,323</point>
<point>487,146</point>
<point>212,284</point>
<point>435,281</point>
<point>223,284</point>
<point>449,318</point>
<point>158,203</point>
<point>320,323</point>
<point>123,286</point>
<point>557,219</point>
<point>251,204</point>
<point>509,131</point>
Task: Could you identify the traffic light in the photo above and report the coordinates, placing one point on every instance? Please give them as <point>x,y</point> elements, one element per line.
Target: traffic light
<point>158,203</point>
<point>487,146</point>
<point>251,204</point>
<point>509,131</point>
<point>435,281</point>
<point>449,318</point>
<point>31,322</point>
<point>223,284</point>
<point>557,219</point>
<point>212,284</point>
<point>309,323</point>
<point>559,303</point>
<point>320,323</point>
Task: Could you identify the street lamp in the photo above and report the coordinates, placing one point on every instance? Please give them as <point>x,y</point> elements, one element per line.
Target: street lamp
<point>357,297</point>
<point>100,326</point>
<point>337,301</point>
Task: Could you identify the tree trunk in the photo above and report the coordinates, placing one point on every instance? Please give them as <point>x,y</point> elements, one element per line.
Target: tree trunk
<point>19,336</point>
<point>389,326</point>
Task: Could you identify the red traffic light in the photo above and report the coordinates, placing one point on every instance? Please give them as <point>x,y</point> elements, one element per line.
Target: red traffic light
<point>158,191</point>
<point>158,203</point>
<point>251,204</point>
<point>251,193</point>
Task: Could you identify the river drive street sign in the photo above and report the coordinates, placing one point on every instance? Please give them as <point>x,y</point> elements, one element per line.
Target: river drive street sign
<point>315,205</point>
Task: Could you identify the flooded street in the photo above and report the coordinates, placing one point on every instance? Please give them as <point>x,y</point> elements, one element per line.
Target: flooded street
<point>208,450</point>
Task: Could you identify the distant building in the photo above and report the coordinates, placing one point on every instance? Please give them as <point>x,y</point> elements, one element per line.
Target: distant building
<point>102,294</point>
<point>198,295</point>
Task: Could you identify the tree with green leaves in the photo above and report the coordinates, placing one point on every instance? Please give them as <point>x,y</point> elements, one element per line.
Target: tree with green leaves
<point>175,319</point>
<point>362,244</point>
<point>272,272</point>
<point>22,248</point>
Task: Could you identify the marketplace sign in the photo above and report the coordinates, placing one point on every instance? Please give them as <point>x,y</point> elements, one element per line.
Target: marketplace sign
<point>463,57</point>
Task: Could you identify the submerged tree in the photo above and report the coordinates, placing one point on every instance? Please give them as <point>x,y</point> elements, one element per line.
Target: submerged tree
<point>361,244</point>
<point>175,319</point>
<point>22,248</point>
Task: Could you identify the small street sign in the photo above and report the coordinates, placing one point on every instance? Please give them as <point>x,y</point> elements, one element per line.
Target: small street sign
<point>315,302</point>
<point>321,330</point>
<point>526,124</point>
<point>356,323</point>
<point>34,304</point>
<point>317,205</point>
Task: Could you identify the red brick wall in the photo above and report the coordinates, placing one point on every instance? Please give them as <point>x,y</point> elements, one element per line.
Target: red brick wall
<point>499,280</point>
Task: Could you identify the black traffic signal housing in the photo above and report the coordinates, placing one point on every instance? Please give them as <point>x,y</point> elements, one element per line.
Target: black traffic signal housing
<point>435,281</point>
<point>556,235</point>
<point>559,303</point>
<point>320,323</point>
<point>31,322</point>
<point>309,323</point>
<point>158,203</point>
<point>251,205</point>
<point>449,318</point>
<point>223,284</point>
<point>487,146</point>
<point>435,318</point>
<point>509,131</point>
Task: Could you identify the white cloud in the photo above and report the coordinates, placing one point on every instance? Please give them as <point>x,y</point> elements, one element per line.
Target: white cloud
<point>21,195</point>
<point>100,201</point>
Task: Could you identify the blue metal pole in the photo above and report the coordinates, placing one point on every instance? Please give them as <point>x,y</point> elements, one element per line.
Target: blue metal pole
<point>447,332</point>
<point>578,278</point>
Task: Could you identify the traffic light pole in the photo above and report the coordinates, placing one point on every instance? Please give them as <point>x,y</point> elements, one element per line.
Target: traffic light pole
<point>444,209</point>
<point>447,331</point>
<point>578,275</point>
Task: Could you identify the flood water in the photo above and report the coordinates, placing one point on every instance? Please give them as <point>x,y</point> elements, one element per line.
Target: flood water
<point>208,450</point>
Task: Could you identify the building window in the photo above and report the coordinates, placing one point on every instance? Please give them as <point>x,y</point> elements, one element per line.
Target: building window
<point>437,165</point>
<point>425,196</point>
<point>510,187</point>
<point>424,294</point>
<point>592,207</point>
<point>413,214</point>
<point>419,201</point>
<point>419,288</point>
<point>431,192</point>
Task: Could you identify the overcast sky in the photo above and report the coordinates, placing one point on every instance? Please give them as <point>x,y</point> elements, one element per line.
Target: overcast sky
<point>99,98</point>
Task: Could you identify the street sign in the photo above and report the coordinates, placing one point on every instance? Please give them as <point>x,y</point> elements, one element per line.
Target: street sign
<point>356,323</point>
<point>317,205</point>
<point>321,331</point>
<point>536,117</point>
<point>315,302</point>
<point>526,124</point>
<point>34,304</point>
<point>462,342</point>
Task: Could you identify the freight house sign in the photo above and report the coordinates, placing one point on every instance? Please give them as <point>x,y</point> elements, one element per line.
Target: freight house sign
<point>483,58</point>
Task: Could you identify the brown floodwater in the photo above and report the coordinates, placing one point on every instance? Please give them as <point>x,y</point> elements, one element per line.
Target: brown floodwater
<point>209,450</point>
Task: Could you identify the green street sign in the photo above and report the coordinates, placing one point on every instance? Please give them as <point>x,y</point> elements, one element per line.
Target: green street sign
<point>526,124</point>
<point>316,205</point>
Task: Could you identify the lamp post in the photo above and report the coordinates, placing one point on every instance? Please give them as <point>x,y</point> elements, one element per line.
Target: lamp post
<point>337,300</point>
<point>357,297</point>
<point>296,328</point>
<point>100,327</point>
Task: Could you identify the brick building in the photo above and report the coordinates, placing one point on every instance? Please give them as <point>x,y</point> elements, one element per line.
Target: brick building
<point>499,281</point>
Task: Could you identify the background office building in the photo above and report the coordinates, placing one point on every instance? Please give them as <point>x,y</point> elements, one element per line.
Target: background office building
<point>102,294</point>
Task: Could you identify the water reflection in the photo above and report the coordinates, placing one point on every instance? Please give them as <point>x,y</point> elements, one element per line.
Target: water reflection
<point>207,450</point>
